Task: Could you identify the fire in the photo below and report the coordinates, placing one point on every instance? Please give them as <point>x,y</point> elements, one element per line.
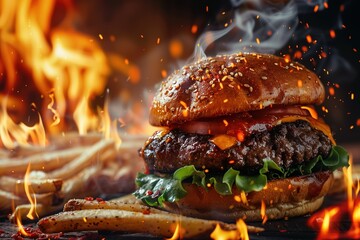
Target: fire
<point>32,200</point>
<point>29,192</point>
<point>240,233</point>
<point>220,234</point>
<point>69,69</point>
<point>263,212</point>
<point>21,228</point>
<point>178,232</point>
<point>327,220</point>
<point>108,127</point>
<point>242,228</point>
<point>12,133</point>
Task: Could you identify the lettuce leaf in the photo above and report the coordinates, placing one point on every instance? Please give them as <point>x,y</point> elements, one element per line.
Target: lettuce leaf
<point>154,190</point>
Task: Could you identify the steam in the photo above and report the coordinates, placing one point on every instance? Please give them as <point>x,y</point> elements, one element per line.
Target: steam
<point>257,26</point>
<point>266,27</point>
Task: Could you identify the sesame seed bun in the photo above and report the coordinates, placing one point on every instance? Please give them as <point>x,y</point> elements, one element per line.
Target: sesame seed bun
<point>229,84</point>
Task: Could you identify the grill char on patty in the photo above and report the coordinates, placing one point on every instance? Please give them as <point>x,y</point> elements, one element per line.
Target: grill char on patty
<point>288,144</point>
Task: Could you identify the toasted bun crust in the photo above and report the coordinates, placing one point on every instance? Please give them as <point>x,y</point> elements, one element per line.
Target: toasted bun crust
<point>283,198</point>
<point>231,84</point>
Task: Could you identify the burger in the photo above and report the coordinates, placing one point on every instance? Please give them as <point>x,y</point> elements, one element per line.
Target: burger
<point>239,134</point>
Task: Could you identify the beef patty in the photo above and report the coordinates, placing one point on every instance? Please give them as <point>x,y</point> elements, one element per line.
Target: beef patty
<point>288,144</point>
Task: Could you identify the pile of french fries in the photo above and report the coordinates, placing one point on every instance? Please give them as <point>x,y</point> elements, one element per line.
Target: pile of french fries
<point>71,166</point>
<point>129,215</point>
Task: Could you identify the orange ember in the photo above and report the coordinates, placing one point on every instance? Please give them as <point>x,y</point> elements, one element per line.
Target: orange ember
<point>358,122</point>
<point>308,38</point>
<point>332,33</point>
<point>194,29</point>
<point>316,8</point>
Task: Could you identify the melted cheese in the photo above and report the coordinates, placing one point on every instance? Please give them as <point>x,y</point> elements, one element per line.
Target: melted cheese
<point>225,141</point>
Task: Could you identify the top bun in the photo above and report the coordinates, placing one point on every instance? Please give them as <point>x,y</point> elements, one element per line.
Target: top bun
<point>229,84</point>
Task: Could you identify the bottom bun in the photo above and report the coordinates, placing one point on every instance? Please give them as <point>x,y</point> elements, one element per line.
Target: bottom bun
<point>282,198</point>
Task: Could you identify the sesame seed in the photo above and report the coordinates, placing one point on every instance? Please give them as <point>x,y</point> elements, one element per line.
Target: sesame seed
<point>248,86</point>
<point>226,100</point>
<point>263,77</point>
<point>251,69</point>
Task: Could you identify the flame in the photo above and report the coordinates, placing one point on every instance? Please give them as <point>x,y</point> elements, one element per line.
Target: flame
<point>242,228</point>
<point>328,219</point>
<point>29,192</point>
<point>11,133</point>
<point>21,227</point>
<point>178,232</point>
<point>220,234</point>
<point>240,233</point>
<point>32,199</point>
<point>263,212</point>
<point>349,184</point>
<point>68,67</point>
<point>108,127</point>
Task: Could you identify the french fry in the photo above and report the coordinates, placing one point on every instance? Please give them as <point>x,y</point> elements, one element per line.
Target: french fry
<point>41,211</point>
<point>103,150</point>
<point>44,161</point>
<point>25,151</point>
<point>48,199</point>
<point>7,200</point>
<point>126,221</point>
<point>129,198</point>
<point>71,139</point>
<point>38,186</point>
<point>82,204</point>
<point>77,185</point>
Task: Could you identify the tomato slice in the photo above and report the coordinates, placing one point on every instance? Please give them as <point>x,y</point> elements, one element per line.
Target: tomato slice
<point>243,124</point>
